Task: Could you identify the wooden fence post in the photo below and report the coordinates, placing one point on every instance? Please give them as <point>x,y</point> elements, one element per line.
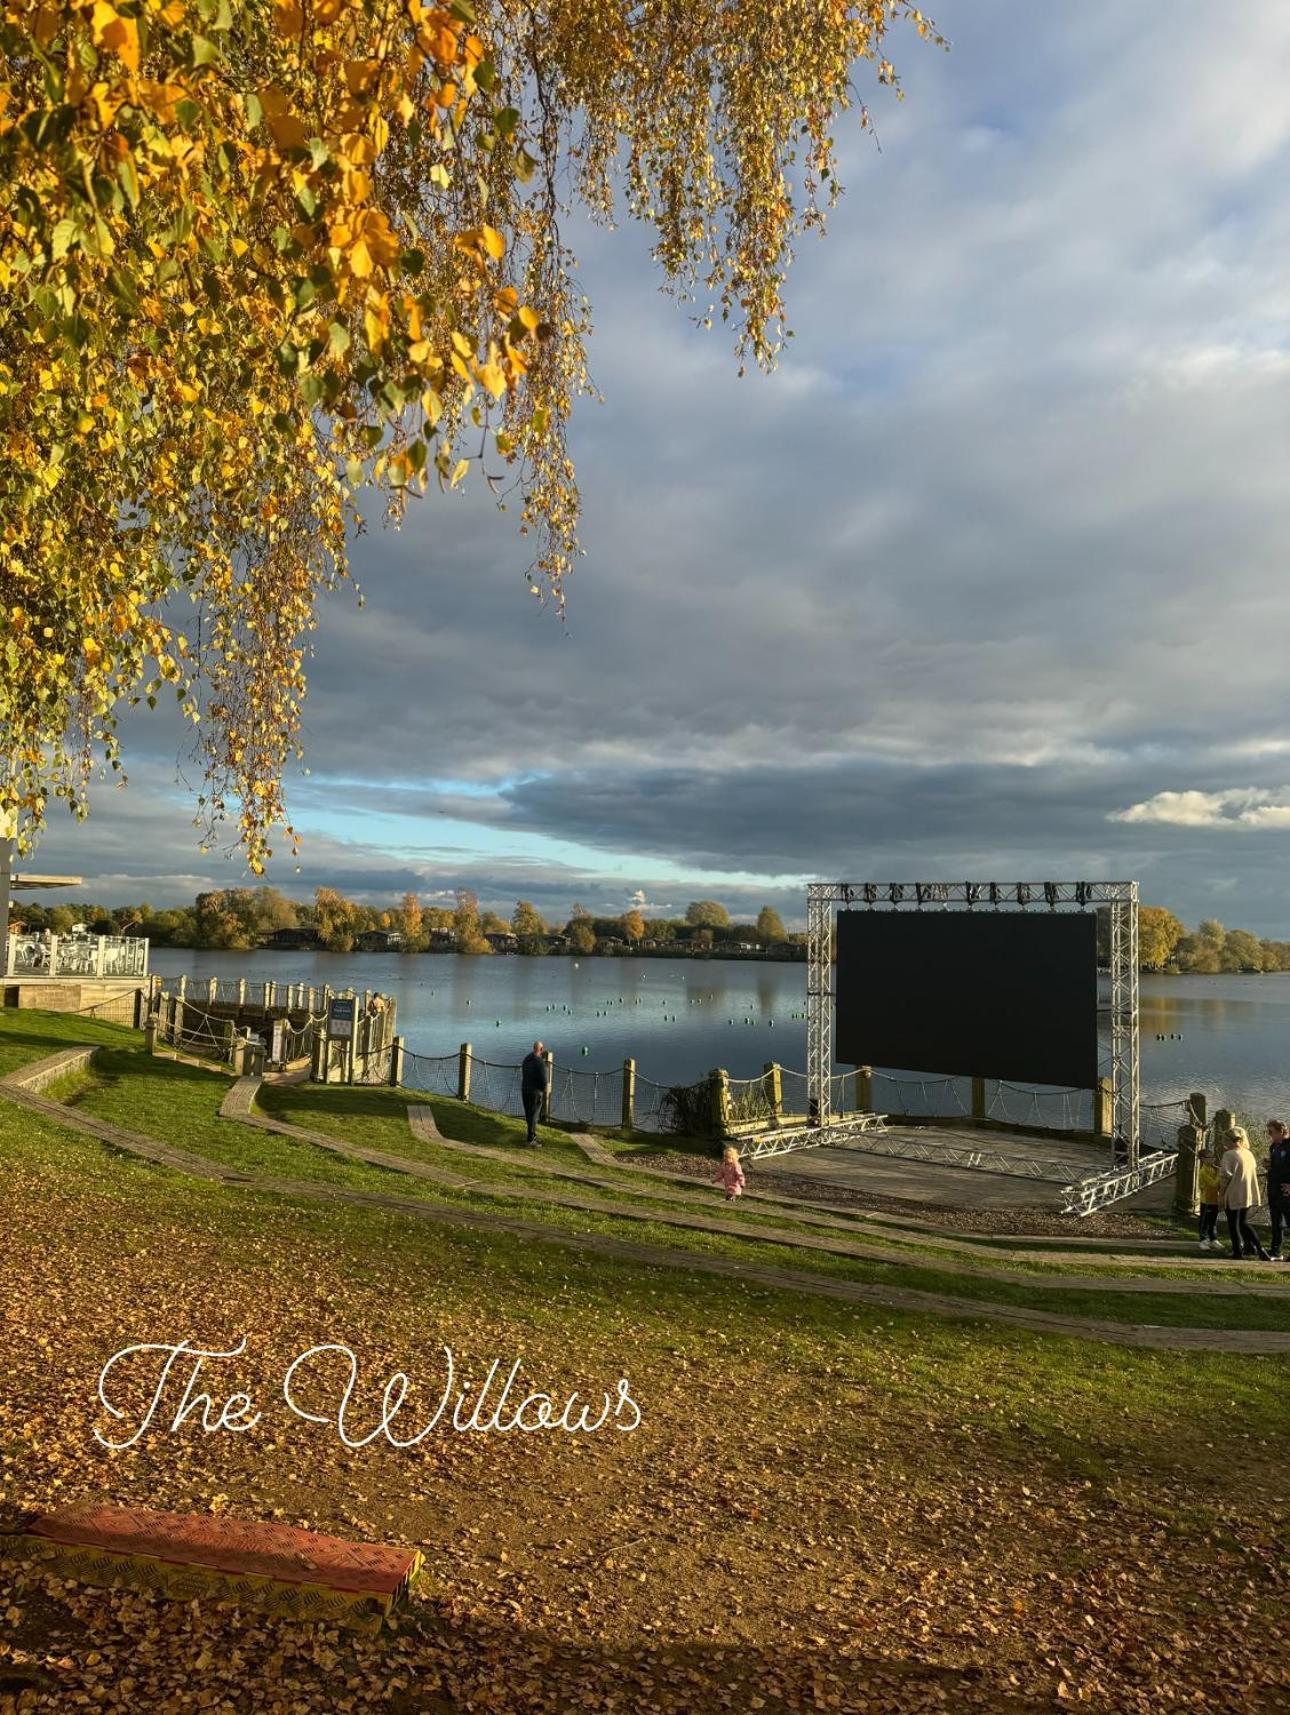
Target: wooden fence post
<point>774,1090</point>
<point>629,1095</point>
<point>1187,1178</point>
<point>719,1110</point>
<point>864,1089</point>
<point>1198,1103</point>
<point>396,1062</point>
<point>463,1072</point>
<point>1102,1106</point>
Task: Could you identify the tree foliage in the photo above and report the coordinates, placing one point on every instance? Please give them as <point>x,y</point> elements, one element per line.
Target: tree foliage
<point>335,920</point>
<point>411,923</point>
<point>1159,932</point>
<point>770,926</point>
<point>707,914</point>
<point>526,920</point>
<point>256,254</point>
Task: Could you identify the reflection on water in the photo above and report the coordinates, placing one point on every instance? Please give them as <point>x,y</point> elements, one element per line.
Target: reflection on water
<point>678,1018</point>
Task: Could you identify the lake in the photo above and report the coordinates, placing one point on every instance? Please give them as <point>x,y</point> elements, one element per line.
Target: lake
<point>678,1018</point>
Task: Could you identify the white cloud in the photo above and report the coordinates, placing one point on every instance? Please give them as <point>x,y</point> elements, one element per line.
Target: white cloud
<point>1238,807</point>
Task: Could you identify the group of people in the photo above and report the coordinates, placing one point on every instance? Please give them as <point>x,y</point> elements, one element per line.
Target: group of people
<point>1231,1183</point>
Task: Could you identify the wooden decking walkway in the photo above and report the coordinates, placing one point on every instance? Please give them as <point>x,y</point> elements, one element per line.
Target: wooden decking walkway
<point>239,1105</point>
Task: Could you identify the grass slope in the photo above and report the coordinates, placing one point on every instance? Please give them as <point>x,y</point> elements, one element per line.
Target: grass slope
<point>824,1507</point>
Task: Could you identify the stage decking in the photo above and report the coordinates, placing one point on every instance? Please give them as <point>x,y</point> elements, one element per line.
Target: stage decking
<point>952,1187</point>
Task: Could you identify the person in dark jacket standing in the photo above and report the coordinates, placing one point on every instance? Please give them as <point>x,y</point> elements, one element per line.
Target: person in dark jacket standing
<point>1278,1182</point>
<point>533,1082</point>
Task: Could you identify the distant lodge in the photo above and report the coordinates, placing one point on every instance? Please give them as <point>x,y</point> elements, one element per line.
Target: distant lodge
<point>504,941</point>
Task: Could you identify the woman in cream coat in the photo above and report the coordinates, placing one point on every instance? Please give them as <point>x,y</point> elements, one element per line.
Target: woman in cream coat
<point>1238,1184</point>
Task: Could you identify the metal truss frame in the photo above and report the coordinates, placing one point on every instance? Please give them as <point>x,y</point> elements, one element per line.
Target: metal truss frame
<point>1087,1196</point>
<point>1121,897</point>
<point>758,1145</point>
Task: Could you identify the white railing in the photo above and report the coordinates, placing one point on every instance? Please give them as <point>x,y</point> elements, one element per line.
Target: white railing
<point>28,955</point>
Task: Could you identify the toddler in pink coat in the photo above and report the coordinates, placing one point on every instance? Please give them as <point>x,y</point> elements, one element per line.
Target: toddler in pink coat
<point>729,1173</point>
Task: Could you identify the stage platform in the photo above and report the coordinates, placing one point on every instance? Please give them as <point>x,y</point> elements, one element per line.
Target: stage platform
<point>937,1184</point>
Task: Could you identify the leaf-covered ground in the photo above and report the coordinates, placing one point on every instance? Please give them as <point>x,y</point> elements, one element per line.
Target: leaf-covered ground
<point>823,1508</point>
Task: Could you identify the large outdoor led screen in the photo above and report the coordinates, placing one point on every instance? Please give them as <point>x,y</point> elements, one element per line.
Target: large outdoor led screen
<point>991,994</point>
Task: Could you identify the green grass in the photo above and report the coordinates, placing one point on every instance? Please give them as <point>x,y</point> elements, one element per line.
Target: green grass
<point>27,1036</point>
<point>1065,1405</point>
<point>180,1103</point>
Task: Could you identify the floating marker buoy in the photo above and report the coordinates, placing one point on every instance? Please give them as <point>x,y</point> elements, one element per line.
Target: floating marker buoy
<point>584,1049</point>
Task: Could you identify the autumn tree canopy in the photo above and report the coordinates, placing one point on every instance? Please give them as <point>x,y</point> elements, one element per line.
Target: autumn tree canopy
<point>257,255</point>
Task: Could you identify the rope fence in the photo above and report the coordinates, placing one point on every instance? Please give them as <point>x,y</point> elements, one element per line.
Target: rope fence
<point>189,1030</point>
<point>778,1097</point>
<point>434,1074</point>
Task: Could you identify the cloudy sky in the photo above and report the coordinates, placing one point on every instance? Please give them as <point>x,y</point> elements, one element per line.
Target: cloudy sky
<point>989,580</point>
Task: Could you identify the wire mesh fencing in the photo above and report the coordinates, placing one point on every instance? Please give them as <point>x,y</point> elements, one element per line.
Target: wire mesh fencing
<point>434,1074</point>
<point>189,1030</point>
<point>581,1097</point>
<point>586,1098</point>
<point>294,1042</point>
<point>577,1097</point>
<point>751,1101</point>
<point>1160,1122</point>
<point>495,1086</point>
<point>925,1098</point>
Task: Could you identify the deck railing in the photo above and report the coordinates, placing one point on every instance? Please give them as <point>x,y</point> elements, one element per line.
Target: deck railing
<point>89,956</point>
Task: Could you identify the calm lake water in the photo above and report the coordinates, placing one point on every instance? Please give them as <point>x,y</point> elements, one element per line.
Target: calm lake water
<point>680,1017</point>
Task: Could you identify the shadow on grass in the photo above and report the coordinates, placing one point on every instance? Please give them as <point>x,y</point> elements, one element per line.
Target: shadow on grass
<point>455,1664</point>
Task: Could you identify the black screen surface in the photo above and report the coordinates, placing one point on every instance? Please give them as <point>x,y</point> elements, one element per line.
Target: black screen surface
<point>990,994</point>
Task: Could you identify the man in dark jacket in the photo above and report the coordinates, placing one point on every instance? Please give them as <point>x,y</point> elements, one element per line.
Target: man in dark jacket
<point>1278,1182</point>
<point>533,1082</point>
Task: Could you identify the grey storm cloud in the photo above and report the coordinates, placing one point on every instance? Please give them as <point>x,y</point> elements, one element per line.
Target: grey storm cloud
<point>997,553</point>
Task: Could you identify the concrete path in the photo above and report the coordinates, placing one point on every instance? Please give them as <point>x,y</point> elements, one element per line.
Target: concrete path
<point>745,1272</point>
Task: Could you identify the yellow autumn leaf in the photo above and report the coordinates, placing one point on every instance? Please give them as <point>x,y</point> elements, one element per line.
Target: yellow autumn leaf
<point>118,34</point>
<point>493,378</point>
<point>493,242</point>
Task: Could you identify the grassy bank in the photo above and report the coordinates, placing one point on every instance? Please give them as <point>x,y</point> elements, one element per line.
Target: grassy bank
<point>825,1506</point>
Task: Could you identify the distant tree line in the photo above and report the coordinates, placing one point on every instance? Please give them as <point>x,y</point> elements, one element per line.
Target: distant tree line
<point>1166,944</point>
<point>244,917</point>
<point>239,918</point>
